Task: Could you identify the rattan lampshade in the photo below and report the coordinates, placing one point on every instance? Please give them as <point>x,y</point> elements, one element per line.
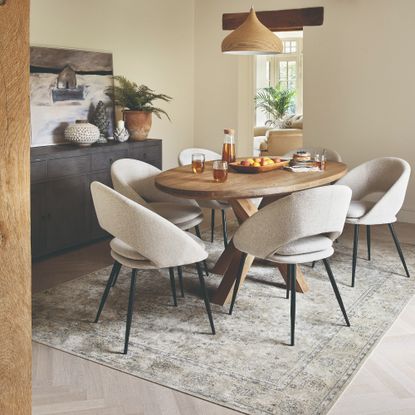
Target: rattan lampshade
<point>252,38</point>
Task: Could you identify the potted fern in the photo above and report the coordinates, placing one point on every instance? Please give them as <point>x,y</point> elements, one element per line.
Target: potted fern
<point>274,102</point>
<point>137,105</point>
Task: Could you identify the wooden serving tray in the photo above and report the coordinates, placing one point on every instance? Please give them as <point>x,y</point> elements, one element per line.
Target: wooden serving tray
<point>258,169</point>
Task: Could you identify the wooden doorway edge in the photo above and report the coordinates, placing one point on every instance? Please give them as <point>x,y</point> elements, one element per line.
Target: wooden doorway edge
<point>15,264</point>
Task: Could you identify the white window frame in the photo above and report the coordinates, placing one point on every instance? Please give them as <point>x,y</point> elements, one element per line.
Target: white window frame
<point>272,63</point>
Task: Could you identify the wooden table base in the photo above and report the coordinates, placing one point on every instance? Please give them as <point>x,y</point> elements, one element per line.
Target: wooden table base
<point>228,263</point>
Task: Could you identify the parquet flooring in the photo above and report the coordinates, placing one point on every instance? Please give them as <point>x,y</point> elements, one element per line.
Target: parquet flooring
<point>67,385</point>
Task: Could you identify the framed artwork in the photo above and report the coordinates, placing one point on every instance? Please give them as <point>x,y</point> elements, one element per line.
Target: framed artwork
<point>66,85</point>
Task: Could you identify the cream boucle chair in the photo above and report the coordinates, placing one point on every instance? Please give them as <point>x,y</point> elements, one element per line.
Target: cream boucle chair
<point>296,229</point>
<point>135,179</point>
<point>144,240</point>
<point>387,178</point>
<point>185,158</point>
<point>331,155</point>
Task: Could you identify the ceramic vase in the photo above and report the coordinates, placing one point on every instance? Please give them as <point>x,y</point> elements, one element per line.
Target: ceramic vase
<point>82,133</point>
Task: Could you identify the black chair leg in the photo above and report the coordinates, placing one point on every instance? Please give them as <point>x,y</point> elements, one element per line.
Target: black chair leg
<point>180,273</point>
<point>287,285</point>
<point>398,247</point>
<point>225,228</point>
<point>293,283</point>
<point>205,297</point>
<point>368,242</point>
<point>197,230</point>
<point>212,225</point>
<point>130,310</point>
<point>237,281</point>
<point>313,264</point>
<point>116,276</point>
<point>173,286</point>
<point>336,290</point>
<point>355,248</point>
<point>205,267</point>
<point>114,273</point>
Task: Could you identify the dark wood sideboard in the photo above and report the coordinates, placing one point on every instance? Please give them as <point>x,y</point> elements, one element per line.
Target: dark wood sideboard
<point>63,214</point>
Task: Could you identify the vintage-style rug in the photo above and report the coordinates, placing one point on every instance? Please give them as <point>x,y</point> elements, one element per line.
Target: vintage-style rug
<point>247,366</point>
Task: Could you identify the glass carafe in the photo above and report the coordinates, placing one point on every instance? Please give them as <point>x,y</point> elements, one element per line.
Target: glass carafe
<point>228,149</point>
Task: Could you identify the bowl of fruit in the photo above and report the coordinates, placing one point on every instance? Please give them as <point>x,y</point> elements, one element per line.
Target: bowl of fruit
<point>258,164</point>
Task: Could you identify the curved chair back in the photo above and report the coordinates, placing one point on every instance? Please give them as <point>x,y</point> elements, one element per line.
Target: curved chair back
<point>386,175</point>
<point>154,237</point>
<point>185,156</point>
<point>319,211</point>
<point>331,155</point>
<point>135,179</point>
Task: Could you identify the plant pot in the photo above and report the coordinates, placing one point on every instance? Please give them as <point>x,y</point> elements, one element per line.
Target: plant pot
<point>138,124</point>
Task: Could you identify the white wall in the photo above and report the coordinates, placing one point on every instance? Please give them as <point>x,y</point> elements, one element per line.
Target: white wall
<point>359,80</point>
<point>152,43</point>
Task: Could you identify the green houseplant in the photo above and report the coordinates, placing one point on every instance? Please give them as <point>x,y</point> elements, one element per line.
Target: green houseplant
<point>274,102</point>
<point>137,104</point>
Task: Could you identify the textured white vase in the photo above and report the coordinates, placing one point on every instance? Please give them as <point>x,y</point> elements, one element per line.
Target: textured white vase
<point>82,133</point>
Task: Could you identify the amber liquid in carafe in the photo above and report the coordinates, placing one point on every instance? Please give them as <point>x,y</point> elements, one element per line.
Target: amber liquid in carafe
<point>220,175</point>
<point>198,166</point>
<point>228,152</point>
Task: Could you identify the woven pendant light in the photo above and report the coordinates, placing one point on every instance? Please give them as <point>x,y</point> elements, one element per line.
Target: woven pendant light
<point>252,38</point>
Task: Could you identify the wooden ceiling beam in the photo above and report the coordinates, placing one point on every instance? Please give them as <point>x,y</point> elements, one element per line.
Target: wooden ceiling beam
<point>278,20</point>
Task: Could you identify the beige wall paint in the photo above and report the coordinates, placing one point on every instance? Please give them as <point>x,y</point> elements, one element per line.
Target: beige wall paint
<point>152,43</point>
<point>359,85</point>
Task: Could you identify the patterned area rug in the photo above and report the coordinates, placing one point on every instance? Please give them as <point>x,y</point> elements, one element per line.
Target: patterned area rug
<point>247,366</point>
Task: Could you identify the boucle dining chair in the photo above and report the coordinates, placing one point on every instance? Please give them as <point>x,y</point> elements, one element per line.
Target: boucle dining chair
<point>143,240</point>
<point>294,230</point>
<point>387,180</point>
<point>185,158</point>
<point>135,179</point>
<point>331,155</point>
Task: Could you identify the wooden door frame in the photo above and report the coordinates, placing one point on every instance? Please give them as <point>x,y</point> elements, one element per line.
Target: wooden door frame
<point>15,263</point>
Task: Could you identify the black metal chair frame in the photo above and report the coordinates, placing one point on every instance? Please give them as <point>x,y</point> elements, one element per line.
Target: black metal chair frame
<point>291,286</point>
<point>113,279</point>
<point>368,241</point>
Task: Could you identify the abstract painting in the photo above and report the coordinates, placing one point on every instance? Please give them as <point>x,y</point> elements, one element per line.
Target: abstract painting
<point>66,85</point>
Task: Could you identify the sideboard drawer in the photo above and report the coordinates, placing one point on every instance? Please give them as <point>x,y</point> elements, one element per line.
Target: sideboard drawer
<point>147,153</point>
<point>38,170</point>
<point>103,161</point>
<point>68,166</point>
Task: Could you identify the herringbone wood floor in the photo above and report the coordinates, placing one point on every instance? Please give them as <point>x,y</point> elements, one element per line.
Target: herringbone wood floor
<point>67,385</point>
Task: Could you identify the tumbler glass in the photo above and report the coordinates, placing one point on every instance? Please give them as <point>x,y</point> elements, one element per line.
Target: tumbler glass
<point>220,171</point>
<point>198,163</point>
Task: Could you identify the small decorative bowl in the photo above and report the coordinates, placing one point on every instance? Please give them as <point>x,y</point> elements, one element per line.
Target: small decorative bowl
<point>82,133</point>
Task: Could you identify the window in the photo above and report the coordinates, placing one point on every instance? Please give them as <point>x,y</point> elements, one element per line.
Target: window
<point>285,70</point>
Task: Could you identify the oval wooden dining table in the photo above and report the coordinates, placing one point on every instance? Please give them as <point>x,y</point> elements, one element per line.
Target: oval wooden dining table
<point>239,189</point>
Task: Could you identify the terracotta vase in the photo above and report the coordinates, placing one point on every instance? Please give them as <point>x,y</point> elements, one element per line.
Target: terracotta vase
<point>138,124</point>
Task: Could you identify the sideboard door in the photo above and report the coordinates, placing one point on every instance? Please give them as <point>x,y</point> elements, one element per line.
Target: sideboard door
<point>38,219</point>
<point>66,206</point>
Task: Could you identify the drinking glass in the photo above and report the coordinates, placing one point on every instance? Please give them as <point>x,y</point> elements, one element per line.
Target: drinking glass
<point>198,163</point>
<point>220,171</point>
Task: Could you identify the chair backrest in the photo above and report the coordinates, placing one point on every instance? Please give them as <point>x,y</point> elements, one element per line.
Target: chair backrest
<point>388,176</point>
<point>135,179</point>
<point>318,211</point>
<point>154,237</point>
<point>185,156</point>
<point>331,155</point>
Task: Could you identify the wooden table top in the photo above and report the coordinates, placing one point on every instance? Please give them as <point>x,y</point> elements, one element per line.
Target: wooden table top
<point>182,182</point>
